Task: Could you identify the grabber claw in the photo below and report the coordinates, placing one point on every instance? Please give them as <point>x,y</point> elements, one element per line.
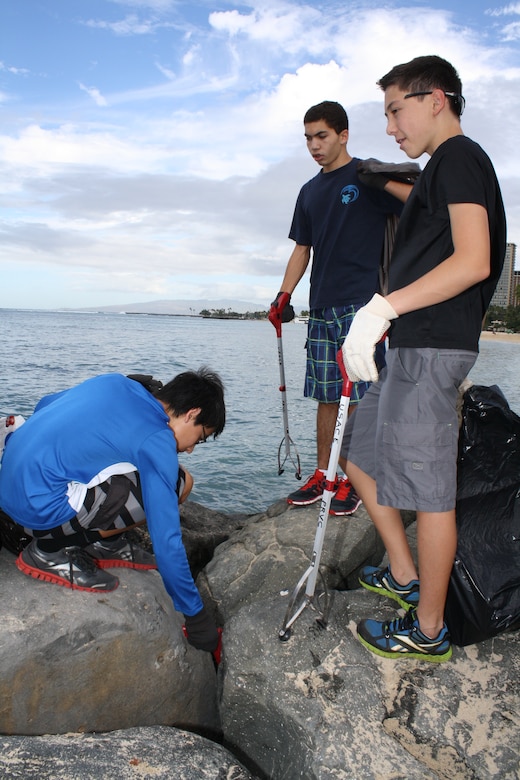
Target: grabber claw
<point>287,443</point>
<point>291,453</point>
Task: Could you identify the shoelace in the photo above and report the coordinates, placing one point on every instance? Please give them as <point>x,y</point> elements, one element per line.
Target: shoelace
<point>344,490</point>
<point>82,560</point>
<point>399,623</point>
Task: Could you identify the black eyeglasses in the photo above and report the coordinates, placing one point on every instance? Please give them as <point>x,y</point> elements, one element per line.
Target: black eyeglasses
<point>458,100</point>
<point>204,436</point>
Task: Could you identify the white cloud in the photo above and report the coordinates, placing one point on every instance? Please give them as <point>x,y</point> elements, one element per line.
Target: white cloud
<point>511,32</point>
<point>130,25</point>
<point>14,70</point>
<point>506,10</point>
<point>186,187</point>
<point>95,94</point>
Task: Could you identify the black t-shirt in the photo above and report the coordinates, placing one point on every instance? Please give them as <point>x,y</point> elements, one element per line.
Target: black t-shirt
<point>459,171</point>
<point>344,222</point>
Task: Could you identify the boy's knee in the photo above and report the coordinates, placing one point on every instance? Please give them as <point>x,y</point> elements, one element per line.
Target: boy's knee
<point>184,484</point>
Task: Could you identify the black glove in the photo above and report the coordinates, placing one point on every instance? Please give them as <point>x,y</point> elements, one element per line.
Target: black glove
<point>376,180</point>
<point>374,173</point>
<point>147,380</point>
<point>281,309</point>
<point>201,631</point>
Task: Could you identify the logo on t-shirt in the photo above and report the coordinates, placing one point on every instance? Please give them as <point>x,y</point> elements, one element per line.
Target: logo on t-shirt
<point>349,194</point>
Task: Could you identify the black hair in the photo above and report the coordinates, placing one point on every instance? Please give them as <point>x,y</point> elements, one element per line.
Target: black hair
<point>196,389</point>
<point>330,112</point>
<point>427,73</point>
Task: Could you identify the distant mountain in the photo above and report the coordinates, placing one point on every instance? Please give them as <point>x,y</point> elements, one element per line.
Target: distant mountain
<point>181,307</point>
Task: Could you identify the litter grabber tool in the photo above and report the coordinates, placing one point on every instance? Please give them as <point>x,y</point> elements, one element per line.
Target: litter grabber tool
<point>305,594</point>
<point>287,449</point>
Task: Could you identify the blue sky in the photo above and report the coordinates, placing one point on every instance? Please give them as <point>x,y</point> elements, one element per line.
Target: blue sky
<point>154,149</point>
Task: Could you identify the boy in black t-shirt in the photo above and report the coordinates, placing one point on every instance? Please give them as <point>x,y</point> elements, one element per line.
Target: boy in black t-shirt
<point>447,258</point>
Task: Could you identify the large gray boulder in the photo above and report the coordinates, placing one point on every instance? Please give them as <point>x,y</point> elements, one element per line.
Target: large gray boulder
<point>319,705</point>
<point>271,552</point>
<point>160,753</point>
<point>76,661</point>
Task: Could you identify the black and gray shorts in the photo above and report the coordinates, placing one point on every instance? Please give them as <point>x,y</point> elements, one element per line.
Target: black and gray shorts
<point>404,433</point>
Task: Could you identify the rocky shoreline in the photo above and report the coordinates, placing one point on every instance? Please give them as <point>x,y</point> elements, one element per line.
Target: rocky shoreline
<point>106,687</point>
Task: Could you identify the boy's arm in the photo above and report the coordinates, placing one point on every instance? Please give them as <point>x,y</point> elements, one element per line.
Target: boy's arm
<point>469,264</point>
<point>281,309</point>
<point>399,189</point>
<point>296,267</point>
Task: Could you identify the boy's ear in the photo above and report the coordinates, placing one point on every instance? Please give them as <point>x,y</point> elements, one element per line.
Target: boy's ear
<point>439,100</point>
<point>192,414</point>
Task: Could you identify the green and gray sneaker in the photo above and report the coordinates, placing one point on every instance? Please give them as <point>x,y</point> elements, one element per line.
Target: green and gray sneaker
<point>402,638</point>
<point>381,581</point>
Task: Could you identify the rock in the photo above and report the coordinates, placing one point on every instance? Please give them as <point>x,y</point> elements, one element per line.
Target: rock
<point>203,530</point>
<point>273,550</point>
<point>77,661</point>
<point>317,707</point>
<point>160,753</point>
<point>321,707</point>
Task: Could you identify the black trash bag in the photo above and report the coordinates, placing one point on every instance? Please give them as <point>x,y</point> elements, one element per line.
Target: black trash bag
<point>484,591</point>
<point>12,536</point>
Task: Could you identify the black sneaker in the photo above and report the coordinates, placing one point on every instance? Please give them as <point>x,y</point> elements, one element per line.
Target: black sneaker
<point>71,567</point>
<point>120,551</point>
<point>381,581</point>
<point>345,501</point>
<point>402,638</point>
<point>309,493</point>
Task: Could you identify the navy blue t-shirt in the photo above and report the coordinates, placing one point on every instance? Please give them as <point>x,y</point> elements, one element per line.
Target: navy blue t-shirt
<point>344,222</point>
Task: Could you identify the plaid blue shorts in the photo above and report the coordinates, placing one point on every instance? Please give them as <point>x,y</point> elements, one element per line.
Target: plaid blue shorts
<point>327,330</point>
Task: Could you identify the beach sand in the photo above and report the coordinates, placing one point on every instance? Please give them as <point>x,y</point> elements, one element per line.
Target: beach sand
<point>488,335</point>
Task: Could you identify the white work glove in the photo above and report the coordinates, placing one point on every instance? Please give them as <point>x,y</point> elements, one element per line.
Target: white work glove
<point>368,328</point>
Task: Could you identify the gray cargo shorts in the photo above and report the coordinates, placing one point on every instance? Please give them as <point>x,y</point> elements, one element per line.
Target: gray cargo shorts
<point>404,433</point>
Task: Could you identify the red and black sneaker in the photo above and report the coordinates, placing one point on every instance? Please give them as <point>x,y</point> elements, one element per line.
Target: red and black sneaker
<point>311,492</point>
<point>345,501</point>
<point>120,551</point>
<point>71,567</point>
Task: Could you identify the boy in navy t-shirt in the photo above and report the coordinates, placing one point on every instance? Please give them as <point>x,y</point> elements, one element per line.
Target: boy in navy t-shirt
<point>341,217</point>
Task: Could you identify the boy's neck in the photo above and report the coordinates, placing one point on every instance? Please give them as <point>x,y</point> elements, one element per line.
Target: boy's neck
<point>340,162</point>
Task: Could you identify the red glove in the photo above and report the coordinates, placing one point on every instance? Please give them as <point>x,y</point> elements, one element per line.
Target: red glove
<point>217,654</point>
<point>281,309</point>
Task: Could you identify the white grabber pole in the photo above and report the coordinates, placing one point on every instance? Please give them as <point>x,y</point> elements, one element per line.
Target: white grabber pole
<point>304,593</point>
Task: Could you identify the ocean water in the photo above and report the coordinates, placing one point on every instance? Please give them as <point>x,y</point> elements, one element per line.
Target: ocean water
<point>42,352</point>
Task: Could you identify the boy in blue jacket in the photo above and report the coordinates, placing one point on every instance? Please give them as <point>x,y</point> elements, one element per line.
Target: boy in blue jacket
<point>100,458</point>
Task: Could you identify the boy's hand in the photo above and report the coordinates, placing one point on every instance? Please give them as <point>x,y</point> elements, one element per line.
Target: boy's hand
<point>201,631</point>
<point>375,173</point>
<point>368,328</point>
<point>281,309</point>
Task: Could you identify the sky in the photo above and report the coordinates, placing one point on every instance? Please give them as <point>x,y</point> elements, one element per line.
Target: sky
<point>154,149</point>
